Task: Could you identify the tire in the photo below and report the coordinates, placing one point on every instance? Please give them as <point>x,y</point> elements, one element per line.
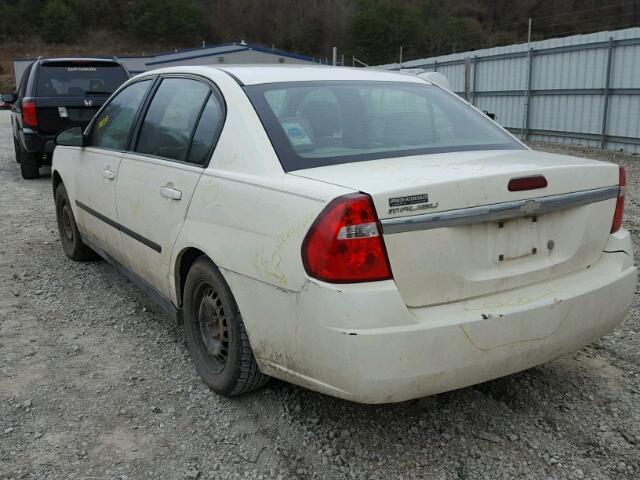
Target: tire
<point>17,149</point>
<point>72,243</point>
<point>30,164</point>
<point>225,362</point>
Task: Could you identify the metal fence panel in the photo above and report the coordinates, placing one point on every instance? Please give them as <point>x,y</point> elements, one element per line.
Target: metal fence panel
<point>625,67</point>
<point>626,120</point>
<point>508,109</point>
<point>580,89</point>
<point>455,73</point>
<point>501,74</point>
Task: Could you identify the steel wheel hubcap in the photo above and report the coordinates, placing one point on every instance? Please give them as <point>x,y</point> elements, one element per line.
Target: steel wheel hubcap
<point>213,326</point>
<point>67,227</point>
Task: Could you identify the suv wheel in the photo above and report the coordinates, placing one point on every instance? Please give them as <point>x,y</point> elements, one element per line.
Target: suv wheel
<point>30,164</point>
<point>216,337</point>
<point>70,238</point>
<point>17,149</point>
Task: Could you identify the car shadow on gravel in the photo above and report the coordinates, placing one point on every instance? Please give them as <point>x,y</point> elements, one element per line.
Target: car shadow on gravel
<point>526,411</point>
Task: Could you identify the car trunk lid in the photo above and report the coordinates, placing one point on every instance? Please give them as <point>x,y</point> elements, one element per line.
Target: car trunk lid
<point>454,231</point>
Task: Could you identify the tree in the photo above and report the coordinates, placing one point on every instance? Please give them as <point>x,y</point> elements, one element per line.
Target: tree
<point>165,21</point>
<point>372,30</point>
<point>379,28</point>
<point>59,22</point>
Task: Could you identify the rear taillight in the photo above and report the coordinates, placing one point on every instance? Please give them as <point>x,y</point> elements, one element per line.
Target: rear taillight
<point>29,115</point>
<point>344,244</point>
<point>617,216</point>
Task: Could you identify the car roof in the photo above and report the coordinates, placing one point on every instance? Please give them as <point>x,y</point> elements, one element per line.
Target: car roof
<point>259,74</point>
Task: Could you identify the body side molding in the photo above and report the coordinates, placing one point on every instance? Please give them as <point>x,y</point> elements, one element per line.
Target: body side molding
<point>145,241</point>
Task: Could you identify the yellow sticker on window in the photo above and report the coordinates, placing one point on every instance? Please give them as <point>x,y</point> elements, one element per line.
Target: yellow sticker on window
<point>103,121</point>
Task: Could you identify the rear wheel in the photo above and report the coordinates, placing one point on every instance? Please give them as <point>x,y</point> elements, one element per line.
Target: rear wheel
<point>29,164</point>
<point>70,238</point>
<point>17,149</point>
<point>216,337</point>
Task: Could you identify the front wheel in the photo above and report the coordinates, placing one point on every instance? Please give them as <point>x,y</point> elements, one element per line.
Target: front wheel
<point>216,337</point>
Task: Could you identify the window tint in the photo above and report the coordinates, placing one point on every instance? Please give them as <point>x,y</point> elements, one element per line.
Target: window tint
<point>171,118</point>
<point>206,132</point>
<point>312,124</point>
<point>59,79</point>
<point>112,127</point>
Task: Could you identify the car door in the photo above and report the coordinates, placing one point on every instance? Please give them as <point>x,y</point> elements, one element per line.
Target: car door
<point>98,165</point>
<point>157,179</point>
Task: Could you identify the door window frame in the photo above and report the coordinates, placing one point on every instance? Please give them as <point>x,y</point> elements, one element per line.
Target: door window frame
<point>213,91</point>
<point>136,118</point>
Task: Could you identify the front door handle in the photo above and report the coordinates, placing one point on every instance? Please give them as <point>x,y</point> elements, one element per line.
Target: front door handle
<point>171,193</point>
<point>108,174</point>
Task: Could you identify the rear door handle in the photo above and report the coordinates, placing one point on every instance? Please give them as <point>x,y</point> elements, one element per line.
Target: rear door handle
<point>108,174</point>
<point>171,193</point>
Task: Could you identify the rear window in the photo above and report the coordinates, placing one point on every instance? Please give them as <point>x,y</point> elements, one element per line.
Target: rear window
<point>313,124</point>
<point>78,79</point>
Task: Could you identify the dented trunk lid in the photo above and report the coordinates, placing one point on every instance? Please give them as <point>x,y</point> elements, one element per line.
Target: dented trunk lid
<point>536,234</point>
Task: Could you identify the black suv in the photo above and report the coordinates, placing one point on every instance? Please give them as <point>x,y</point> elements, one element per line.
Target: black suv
<point>54,94</point>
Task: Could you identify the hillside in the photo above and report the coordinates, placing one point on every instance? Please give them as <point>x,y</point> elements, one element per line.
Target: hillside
<point>370,30</point>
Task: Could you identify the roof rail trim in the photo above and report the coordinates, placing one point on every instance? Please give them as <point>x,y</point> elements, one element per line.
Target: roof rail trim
<point>238,81</point>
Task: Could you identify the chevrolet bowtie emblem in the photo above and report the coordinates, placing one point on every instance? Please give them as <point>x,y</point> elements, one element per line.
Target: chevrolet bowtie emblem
<point>529,207</point>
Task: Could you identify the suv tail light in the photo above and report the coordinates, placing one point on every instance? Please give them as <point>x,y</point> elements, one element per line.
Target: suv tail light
<point>617,216</point>
<point>344,244</point>
<point>29,116</point>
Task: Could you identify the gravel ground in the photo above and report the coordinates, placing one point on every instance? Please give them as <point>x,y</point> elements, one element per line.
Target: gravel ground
<point>96,383</point>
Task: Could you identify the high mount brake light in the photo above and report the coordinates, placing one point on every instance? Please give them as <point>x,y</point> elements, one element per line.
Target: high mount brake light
<point>344,244</point>
<point>29,115</point>
<point>617,216</point>
<point>527,183</point>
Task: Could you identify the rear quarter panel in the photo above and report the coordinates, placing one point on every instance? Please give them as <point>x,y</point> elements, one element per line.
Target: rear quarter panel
<point>254,225</point>
<point>247,214</point>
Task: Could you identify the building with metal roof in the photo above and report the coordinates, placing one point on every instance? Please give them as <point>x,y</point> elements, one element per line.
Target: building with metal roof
<point>225,53</point>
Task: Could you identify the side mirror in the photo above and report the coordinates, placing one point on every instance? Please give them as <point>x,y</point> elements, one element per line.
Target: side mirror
<point>70,137</point>
<point>9,97</point>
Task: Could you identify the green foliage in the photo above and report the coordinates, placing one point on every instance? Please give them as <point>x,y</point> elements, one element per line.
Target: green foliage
<point>102,14</point>
<point>377,26</point>
<point>12,15</point>
<point>176,21</point>
<point>372,30</point>
<point>59,23</point>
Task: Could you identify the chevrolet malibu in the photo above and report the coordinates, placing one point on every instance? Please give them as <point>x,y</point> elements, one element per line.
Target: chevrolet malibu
<point>364,234</point>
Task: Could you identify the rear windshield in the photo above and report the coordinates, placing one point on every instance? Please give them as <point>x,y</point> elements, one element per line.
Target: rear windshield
<point>78,79</point>
<point>313,124</point>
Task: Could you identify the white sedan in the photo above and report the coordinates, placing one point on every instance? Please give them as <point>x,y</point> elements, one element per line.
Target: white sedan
<point>361,233</point>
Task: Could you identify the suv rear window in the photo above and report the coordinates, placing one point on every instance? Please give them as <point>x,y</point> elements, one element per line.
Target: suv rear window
<point>312,124</point>
<point>77,79</point>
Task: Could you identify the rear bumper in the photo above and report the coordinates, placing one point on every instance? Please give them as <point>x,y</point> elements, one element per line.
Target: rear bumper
<point>35,142</point>
<point>361,343</point>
